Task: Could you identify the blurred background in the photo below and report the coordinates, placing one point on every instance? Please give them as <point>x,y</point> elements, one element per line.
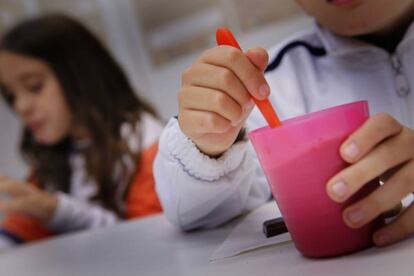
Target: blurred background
<point>154,41</point>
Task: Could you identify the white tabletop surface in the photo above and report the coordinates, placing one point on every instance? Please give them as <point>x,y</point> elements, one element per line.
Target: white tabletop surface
<point>152,246</point>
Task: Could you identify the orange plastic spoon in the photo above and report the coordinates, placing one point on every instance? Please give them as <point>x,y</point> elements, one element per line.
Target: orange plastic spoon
<point>225,37</point>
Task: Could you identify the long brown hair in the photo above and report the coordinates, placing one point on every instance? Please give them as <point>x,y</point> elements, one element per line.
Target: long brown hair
<point>97,92</point>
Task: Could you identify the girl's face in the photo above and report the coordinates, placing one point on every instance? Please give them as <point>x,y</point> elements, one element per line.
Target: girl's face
<point>358,17</point>
<point>36,96</point>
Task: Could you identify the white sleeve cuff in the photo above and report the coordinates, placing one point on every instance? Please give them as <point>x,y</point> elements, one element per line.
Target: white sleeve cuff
<point>197,164</point>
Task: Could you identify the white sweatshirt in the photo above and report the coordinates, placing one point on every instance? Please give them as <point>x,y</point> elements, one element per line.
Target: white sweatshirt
<point>317,70</point>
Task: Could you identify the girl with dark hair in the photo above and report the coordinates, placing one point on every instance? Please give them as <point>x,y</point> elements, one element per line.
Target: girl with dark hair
<point>88,139</point>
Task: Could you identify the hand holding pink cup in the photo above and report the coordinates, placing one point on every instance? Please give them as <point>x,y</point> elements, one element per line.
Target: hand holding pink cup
<point>298,159</point>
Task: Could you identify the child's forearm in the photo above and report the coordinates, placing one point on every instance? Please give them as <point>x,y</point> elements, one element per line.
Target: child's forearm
<point>72,214</point>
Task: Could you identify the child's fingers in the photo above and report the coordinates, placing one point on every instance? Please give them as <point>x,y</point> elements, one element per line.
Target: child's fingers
<point>375,130</point>
<point>393,212</point>
<point>382,199</point>
<point>206,99</point>
<point>218,78</point>
<point>235,60</point>
<point>12,188</point>
<point>397,230</point>
<point>196,123</point>
<point>259,57</point>
<point>387,155</point>
<point>16,205</point>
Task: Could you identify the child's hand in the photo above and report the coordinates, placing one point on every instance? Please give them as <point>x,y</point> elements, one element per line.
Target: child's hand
<point>381,147</point>
<point>26,199</point>
<point>215,96</point>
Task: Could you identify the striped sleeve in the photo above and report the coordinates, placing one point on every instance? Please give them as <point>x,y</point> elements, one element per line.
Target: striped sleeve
<point>19,229</point>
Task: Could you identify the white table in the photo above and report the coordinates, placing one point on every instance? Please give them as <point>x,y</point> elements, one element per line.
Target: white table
<point>152,246</point>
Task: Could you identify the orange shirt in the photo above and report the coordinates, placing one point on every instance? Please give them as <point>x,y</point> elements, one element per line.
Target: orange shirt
<point>141,200</point>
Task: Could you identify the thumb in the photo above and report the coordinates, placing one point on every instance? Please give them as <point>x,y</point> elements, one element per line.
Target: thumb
<point>259,57</point>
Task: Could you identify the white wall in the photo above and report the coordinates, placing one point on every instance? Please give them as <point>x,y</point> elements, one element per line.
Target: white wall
<point>10,163</point>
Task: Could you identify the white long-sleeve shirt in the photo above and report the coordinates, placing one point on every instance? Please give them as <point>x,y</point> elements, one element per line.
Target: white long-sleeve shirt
<point>317,70</point>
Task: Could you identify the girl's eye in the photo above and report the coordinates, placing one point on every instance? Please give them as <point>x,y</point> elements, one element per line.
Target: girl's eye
<point>35,87</point>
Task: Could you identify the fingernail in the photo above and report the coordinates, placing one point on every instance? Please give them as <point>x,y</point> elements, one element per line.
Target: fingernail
<point>382,238</point>
<point>264,91</point>
<point>351,150</point>
<point>339,189</point>
<point>356,216</point>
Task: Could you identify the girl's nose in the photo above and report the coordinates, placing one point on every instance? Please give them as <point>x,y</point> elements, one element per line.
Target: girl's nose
<point>23,105</point>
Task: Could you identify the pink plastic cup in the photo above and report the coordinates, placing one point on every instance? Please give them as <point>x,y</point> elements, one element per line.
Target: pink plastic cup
<point>298,159</point>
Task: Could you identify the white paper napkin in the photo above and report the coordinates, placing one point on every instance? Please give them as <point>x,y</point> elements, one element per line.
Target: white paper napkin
<point>248,234</point>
